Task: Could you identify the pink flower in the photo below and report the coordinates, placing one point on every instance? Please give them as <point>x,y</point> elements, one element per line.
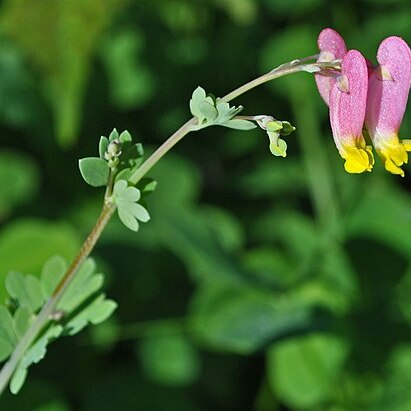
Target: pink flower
<point>347,102</point>
<point>385,102</point>
<point>389,85</point>
<point>332,47</point>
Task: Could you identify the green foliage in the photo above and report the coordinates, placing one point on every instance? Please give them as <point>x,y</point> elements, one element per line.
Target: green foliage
<point>79,306</point>
<point>68,34</point>
<point>182,366</point>
<point>303,371</point>
<point>291,278</point>
<point>95,313</point>
<point>95,171</point>
<point>244,320</point>
<point>24,174</point>
<point>32,356</point>
<point>26,244</point>
<point>26,289</point>
<point>129,211</point>
<point>131,82</point>
<point>8,336</point>
<point>210,111</point>
<point>120,158</point>
<point>17,91</point>
<point>118,155</point>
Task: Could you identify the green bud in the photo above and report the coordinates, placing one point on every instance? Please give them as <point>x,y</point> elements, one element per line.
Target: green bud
<point>274,125</point>
<point>287,128</point>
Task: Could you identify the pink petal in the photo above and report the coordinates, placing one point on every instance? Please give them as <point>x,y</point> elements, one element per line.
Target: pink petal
<point>388,91</point>
<point>347,108</point>
<point>348,99</point>
<point>332,47</point>
<point>389,85</point>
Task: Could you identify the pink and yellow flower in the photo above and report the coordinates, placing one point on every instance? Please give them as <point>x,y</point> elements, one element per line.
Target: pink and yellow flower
<point>389,86</point>
<point>364,94</point>
<point>347,101</point>
<point>332,47</point>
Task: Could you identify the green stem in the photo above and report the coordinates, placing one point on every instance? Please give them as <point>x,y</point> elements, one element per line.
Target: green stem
<point>163,149</point>
<point>44,315</point>
<point>283,70</point>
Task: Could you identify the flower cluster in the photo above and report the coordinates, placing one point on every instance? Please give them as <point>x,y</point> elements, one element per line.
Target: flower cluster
<point>366,102</point>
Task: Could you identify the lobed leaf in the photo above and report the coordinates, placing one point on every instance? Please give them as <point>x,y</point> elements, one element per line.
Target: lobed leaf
<point>33,355</point>
<point>95,313</point>
<point>129,211</point>
<point>29,293</point>
<point>26,289</point>
<point>21,321</point>
<point>52,272</point>
<point>85,283</point>
<point>8,338</point>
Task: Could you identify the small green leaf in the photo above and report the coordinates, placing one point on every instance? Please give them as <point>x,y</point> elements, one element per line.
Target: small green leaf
<point>124,137</point>
<point>95,313</point>
<point>129,213</point>
<point>147,185</point>
<point>94,170</point>
<point>239,124</point>
<point>52,272</point>
<point>25,289</point>
<point>22,318</point>
<point>113,135</point>
<point>207,110</point>
<point>18,379</point>
<point>129,210</point>
<point>124,193</point>
<point>8,337</point>
<point>226,112</point>
<point>38,350</point>
<point>32,356</point>
<point>85,283</point>
<point>127,218</point>
<point>202,106</point>
<point>102,146</point>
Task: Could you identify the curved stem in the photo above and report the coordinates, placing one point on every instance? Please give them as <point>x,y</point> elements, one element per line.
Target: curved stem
<point>44,315</point>
<point>283,70</point>
<point>163,149</point>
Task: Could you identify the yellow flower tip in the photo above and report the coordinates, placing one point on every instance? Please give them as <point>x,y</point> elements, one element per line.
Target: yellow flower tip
<point>394,155</point>
<point>406,144</point>
<point>358,160</point>
<point>392,168</point>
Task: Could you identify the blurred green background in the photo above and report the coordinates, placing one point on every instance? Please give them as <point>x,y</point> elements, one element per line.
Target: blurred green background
<point>260,283</point>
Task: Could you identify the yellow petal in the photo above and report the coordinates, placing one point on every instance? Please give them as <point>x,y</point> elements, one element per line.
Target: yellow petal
<point>394,154</point>
<point>358,160</point>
